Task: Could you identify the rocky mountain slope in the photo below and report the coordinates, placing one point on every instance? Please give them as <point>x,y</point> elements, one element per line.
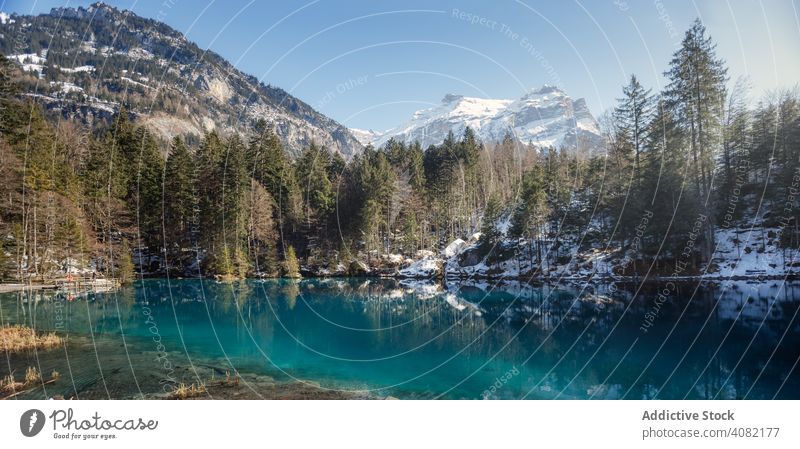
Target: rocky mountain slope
<point>88,62</point>
<point>544,117</point>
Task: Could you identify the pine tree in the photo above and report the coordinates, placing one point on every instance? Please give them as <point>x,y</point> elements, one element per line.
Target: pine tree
<point>490,234</point>
<point>10,113</point>
<point>313,175</point>
<point>125,270</point>
<point>735,145</point>
<point>270,165</point>
<point>627,132</point>
<point>210,167</point>
<point>531,212</point>
<point>179,194</point>
<point>632,115</point>
<point>291,268</point>
<point>468,198</point>
<point>146,189</point>
<point>696,92</point>
<point>672,201</point>
<point>235,188</point>
<point>374,184</point>
<point>234,214</point>
<point>416,159</point>
<point>223,262</point>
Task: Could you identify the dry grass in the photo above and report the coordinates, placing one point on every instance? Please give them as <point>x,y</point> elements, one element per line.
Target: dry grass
<point>184,392</point>
<point>32,376</point>
<point>22,338</point>
<point>231,380</point>
<point>9,385</point>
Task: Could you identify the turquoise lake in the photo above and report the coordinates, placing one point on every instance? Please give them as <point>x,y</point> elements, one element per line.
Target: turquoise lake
<point>409,340</point>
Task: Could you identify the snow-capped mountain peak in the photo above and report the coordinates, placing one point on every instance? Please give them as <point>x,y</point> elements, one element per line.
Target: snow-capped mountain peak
<point>546,116</point>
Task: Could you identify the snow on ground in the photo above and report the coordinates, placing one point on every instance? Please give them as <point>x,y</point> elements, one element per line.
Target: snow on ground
<point>137,53</point>
<point>746,252</point>
<point>131,81</point>
<point>504,224</point>
<point>65,87</point>
<point>395,258</point>
<point>79,69</point>
<point>28,58</point>
<point>740,253</point>
<point>31,62</point>
<point>595,262</point>
<point>423,269</point>
<point>454,248</point>
<point>102,105</point>
<point>424,254</point>
<point>33,68</point>
<point>500,269</point>
<point>88,47</point>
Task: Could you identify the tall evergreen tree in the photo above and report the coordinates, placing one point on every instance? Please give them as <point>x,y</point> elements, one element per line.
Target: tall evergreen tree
<point>697,93</point>
<point>10,113</point>
<point>179,194</point>
<point>734,161</point>
<point>146,187</point>
<point>490,233</point>
<point>235,191</point>
<point>632,116</point>
<point>210,169</point>
<point>271,166</point>
<point>531,212</point>
<point>313,175</point>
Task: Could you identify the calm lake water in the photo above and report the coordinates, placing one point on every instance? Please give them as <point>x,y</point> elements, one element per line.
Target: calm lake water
<point>421,340</point>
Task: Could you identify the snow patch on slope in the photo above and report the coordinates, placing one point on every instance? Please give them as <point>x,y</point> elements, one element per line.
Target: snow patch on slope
<point>749,252</point>
<point>79,69</point>
<point>365,136</point>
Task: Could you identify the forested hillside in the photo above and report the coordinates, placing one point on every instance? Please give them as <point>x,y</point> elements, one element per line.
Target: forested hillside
<point>693,179</point>
<point>87,63</point>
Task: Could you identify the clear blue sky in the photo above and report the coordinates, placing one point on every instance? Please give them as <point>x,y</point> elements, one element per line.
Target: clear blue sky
<point>370,64</point>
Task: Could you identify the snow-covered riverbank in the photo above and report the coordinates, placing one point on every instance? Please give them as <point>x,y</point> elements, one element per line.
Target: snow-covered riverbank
<point>739,254</point>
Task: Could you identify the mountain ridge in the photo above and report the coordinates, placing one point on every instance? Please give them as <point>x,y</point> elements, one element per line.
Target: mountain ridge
<point>103,58</point>
<point>545,117</point>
